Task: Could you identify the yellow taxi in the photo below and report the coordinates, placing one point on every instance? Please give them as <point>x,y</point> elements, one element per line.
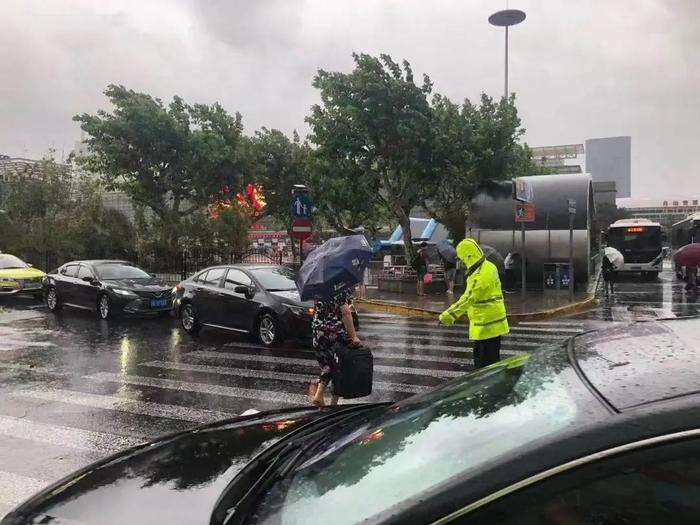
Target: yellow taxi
<point>18,277</point>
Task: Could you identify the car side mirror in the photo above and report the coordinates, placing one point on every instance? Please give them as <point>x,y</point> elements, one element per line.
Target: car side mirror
<point>90,280</point>
<point>248,291</point>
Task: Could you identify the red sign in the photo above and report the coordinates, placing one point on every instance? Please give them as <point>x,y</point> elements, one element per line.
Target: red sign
<point>524,212</point>
<point>301,229</point>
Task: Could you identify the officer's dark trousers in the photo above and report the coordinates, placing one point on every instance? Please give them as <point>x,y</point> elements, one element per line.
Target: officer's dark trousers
<point>487,351</point>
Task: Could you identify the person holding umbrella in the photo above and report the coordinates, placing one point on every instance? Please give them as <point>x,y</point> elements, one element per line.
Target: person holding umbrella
<point>689,256</point>
<point>329,275</point>
<point>483,303</point>
<point>449,260</point>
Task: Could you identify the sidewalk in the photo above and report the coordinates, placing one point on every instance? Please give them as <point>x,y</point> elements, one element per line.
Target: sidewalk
<point>537,305</point>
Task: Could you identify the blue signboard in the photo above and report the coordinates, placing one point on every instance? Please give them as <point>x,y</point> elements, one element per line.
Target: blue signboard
<point>300,206</point>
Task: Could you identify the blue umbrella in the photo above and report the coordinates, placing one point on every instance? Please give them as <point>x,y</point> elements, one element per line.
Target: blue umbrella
<point>333,267</point>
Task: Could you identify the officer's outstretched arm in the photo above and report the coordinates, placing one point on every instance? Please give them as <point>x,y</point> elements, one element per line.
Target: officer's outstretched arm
<point>460,306</point>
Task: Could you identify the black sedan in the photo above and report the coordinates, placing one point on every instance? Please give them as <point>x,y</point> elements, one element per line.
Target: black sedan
<point>107,287</point>
<point>254,299</point>
<point>602,430</point>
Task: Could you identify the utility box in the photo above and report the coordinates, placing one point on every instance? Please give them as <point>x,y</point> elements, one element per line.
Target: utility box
<point>556,276</point>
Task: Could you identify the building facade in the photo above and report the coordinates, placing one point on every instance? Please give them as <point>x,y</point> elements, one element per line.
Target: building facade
<point>609,159</point>
<point>664,211</point>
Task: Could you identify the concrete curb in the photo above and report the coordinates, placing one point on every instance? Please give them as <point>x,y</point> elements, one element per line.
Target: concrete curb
<point>386,307</point>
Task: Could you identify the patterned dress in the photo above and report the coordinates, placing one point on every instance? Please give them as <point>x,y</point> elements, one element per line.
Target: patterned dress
<point>327,329</point>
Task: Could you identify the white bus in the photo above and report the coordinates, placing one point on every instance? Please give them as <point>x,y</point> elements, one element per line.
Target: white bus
<point>640,242</point>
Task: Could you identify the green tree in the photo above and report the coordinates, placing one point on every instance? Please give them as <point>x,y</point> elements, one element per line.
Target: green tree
<point>372,136</point>
<point>169,159</point>
<point>470,146</point>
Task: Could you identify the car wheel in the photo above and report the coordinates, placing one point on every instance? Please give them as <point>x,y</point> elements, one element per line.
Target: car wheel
<point>52,302</point>
<point>189,320</point>
<point>269,330</point>
<point>104,309</point>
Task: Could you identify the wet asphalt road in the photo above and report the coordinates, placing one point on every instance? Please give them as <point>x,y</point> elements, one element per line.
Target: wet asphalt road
<point>74,389</point>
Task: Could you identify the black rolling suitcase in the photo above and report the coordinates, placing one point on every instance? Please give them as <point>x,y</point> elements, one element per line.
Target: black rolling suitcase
<point>353,370</point>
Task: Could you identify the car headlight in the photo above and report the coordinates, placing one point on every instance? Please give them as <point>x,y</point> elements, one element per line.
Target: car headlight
<point>126,293</point>
<point>300,310</point>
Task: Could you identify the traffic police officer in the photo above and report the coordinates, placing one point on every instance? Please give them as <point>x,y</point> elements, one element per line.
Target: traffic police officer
<point>482,301</point>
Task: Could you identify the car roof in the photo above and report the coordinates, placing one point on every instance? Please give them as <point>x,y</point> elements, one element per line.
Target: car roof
<point>100,261</point>
<point>243,266</point>
<point>635,365</point>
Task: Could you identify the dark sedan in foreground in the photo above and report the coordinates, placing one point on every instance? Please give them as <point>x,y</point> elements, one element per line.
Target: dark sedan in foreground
<point>255,299</point>
<point>107,287</point>
<point>602,430</point>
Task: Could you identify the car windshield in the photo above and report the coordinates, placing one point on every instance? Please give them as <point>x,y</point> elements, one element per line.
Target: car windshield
<point>425,441</point>
<point>275,279</point>
<point>10,261</point>
<point>107,271</point>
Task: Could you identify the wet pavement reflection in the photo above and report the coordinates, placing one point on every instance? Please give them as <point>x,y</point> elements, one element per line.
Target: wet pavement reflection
<point>74,388</point>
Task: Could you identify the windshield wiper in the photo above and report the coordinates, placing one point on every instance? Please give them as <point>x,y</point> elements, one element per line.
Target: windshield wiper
<point>242,493</point>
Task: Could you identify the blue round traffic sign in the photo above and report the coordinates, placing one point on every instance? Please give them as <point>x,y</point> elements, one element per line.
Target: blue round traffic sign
<point>300,206</point>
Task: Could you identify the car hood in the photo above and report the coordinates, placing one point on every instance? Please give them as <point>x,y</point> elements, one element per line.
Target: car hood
<point>176,479</point>
<point>138,285</point>
<point>21,273</point>
<point>291,297</point>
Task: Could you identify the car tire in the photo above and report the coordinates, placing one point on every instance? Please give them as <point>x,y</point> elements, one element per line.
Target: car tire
<point>189,320</point>
<point>104,307</point>
<point>269,330</point>
<point>52,302</point>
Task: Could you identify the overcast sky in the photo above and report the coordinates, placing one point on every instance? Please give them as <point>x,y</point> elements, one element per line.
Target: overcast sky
<point>580,69</point>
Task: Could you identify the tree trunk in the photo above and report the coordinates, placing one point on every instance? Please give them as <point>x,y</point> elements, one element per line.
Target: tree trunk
<point>405,223</point>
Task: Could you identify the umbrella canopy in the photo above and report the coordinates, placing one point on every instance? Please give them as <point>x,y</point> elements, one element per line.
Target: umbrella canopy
<point>614,256</point>
<point>333,267</point>
<point>447,251</point>
<point>688,255</point>
<point>493,255</point>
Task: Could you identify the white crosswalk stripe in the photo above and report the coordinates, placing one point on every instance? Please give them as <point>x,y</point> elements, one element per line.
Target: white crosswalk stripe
<point>14,489</point>
<point>64,436</point>
<point>124,405</point>
<point>298,361</point>
<point>265,374</point>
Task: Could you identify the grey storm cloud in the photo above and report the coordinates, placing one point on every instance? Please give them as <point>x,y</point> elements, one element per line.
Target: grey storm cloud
<point>580,69</point>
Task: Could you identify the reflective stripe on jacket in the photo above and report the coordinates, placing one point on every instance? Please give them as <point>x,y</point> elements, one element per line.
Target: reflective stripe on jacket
<point>482,301</point>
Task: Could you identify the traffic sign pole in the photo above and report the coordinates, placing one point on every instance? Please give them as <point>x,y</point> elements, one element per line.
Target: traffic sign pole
<point>572,213</point>
<point>523,269</point>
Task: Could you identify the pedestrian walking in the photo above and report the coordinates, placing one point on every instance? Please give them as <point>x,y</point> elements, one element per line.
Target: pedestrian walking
<point>332,324</point>
<point>421,266</point>
<point>483,304</point>
<point>450,272</point>
<point>608,276</point>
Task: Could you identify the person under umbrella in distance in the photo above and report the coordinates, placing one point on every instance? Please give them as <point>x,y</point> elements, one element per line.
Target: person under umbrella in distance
<point>328,275</point>
<point>449,260</point>
<point>483,303</point>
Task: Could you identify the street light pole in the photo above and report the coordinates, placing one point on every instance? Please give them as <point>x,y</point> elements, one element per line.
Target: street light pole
<point>506,18</point>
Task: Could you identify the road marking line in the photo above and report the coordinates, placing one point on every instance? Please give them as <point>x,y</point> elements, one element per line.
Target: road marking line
<point>202,388</point>
<point>14,489</point>
<point>307,362</point>
<point>74,438</point>
<point>267,374</point>
<point>382,334</point>
<point>132,406</point>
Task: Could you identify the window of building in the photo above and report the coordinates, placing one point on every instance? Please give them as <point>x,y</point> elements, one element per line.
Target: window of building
<point>665,203</point>
<point>675,203</point>
<point>685,203</point>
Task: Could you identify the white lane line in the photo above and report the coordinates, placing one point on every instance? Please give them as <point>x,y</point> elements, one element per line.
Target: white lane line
<point>131,406</point>
<point>267,374</point>
<point>202,388</point>
<point>29,368</point>
<point>309,362</point>
<point>14,489</point>
<point>74,438</point>
<point>383,334</point>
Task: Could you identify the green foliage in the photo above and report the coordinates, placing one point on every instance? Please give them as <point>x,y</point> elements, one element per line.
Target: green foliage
<point>372,136</point>
<point>54,213</point>
<point>167,159</point>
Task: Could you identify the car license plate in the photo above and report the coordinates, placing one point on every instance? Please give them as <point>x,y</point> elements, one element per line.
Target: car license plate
<point>159,303</point>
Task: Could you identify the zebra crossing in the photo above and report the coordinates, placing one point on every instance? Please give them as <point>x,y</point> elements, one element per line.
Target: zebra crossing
<point>66,405</point>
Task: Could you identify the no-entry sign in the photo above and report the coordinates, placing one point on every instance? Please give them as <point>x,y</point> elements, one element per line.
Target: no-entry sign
<point>301,229</point>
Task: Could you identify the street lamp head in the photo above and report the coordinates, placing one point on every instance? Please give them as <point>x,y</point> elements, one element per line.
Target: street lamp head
<point>507,17</point>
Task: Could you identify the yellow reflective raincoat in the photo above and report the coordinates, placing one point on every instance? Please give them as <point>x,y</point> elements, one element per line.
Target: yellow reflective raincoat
<point>482,301</point>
